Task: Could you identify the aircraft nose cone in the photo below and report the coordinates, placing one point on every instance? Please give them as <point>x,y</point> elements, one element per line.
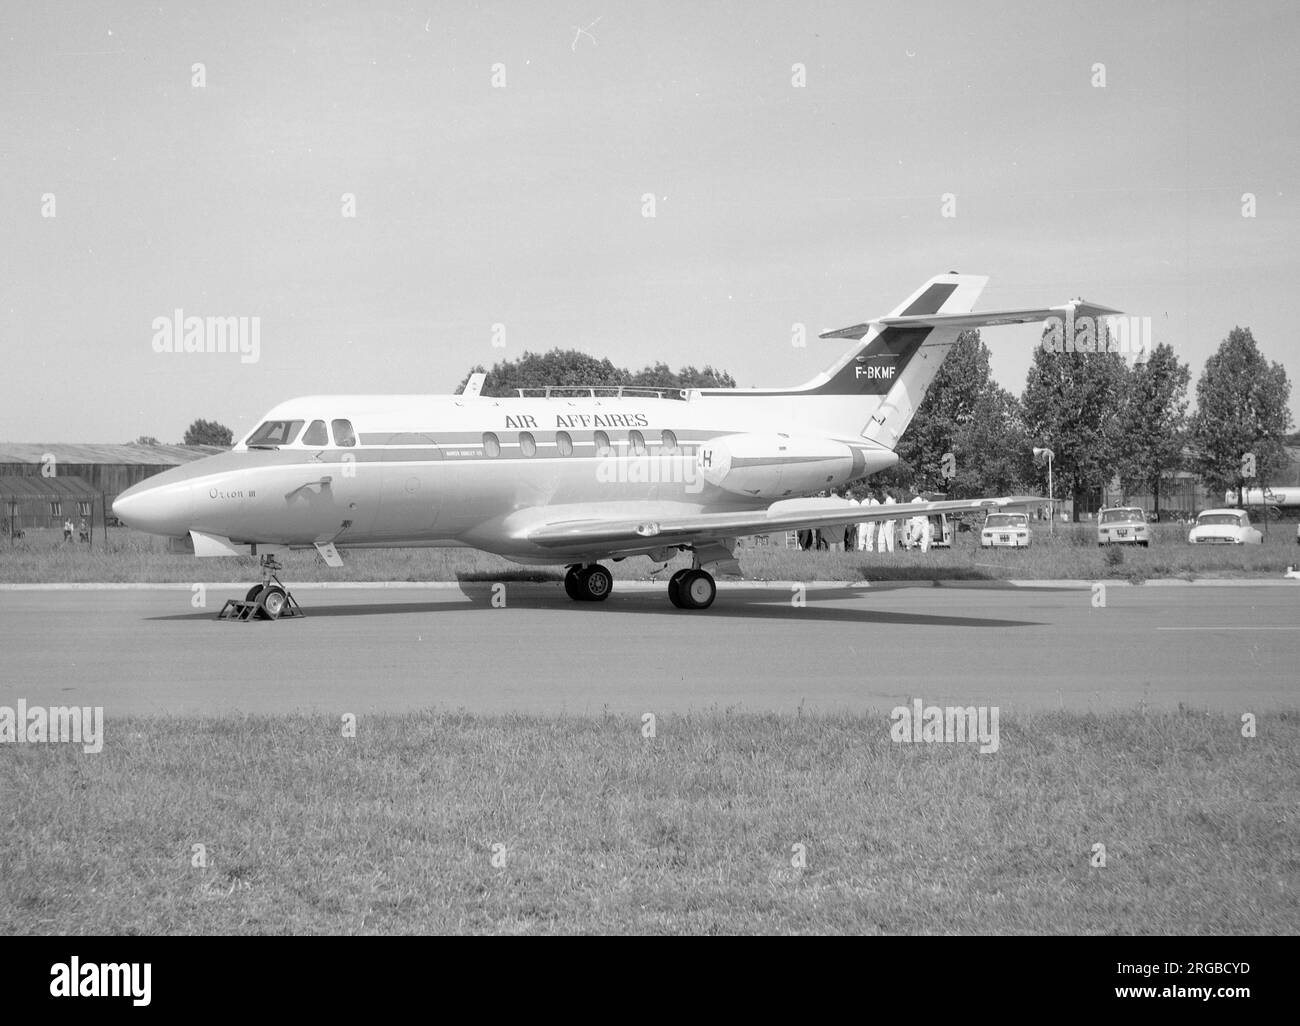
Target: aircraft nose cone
<point>155,507</point>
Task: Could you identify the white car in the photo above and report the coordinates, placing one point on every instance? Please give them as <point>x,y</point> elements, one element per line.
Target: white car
<point>1224,527</point>
<point>1006,530</point>
<point>1123,525</point>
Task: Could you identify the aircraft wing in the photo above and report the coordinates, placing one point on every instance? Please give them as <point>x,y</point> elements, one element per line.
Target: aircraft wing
<point>787,515</point>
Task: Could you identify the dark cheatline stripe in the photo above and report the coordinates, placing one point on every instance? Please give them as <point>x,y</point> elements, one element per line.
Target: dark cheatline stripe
<point>893,347</point>
<point>931,300</point>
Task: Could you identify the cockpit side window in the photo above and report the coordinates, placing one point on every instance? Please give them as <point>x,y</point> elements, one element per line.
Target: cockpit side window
<point>275,432</point>
<point>316,434</point>
<point>343,433</point>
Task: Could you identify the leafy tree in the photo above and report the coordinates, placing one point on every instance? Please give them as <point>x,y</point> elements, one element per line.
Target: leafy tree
<point>208,432</point>
<point>146,440</point>
<point>965,413</point>
<point>659,376</point>
<point>572,367</point>
<point>991,450</point>
<point>1153,421</point>
<point>1241,408</point>
<point>1070,401</point>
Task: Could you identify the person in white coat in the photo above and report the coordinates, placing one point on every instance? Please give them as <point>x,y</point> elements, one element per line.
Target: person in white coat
<point>867,529</point>
<point>886,540</point>
<point>921,528</point>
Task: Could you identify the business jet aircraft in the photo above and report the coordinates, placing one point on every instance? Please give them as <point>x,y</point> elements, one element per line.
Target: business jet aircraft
<point>573,476</point>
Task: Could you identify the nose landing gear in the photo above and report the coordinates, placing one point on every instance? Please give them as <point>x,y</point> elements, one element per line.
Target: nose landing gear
<point>270,600</point>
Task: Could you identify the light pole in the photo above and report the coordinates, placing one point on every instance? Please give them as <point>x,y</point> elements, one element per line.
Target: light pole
<point>1051,511</point>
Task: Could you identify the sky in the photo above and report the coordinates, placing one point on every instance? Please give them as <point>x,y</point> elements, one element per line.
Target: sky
<point>798,156</point>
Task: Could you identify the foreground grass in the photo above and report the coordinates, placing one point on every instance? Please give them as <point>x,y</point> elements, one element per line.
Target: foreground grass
<point>691,831</point>
<point>1071,552</point>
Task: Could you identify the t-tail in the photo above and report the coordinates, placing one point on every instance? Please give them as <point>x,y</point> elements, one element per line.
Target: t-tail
<point>874,389</point>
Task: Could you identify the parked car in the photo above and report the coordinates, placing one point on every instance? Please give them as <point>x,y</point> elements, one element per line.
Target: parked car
<point>1224,527</point>
<point>1123,525</point>
<point>1006,530</point>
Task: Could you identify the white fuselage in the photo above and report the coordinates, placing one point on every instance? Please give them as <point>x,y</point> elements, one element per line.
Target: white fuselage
<point>450,470</point>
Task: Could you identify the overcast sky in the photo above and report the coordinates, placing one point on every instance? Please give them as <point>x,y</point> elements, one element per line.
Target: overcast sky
<point>475,205</point>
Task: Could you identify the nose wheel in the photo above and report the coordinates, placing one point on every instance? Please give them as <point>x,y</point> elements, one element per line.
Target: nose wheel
<point>270,600</point>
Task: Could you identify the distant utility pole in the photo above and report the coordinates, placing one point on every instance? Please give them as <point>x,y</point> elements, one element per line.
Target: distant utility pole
<point>1051,509</point>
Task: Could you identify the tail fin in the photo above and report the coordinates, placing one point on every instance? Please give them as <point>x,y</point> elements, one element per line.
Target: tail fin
<point>875,388</point>
<point>901,353</point>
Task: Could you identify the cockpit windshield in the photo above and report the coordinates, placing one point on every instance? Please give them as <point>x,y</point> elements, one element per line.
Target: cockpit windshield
<point>343,433</point>
<point>274,433</point>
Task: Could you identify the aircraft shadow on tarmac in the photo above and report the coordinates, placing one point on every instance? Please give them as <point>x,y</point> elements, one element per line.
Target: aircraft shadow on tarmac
<point>750,604</point>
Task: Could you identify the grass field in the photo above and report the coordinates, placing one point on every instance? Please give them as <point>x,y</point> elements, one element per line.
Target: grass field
<point>1071,553</point>
<point>690,831</point>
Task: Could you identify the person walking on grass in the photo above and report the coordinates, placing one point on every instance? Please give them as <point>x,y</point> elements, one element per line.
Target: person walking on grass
<point>67,529</point>
<point>920,528</point>
<point>886,541</point>
<point>867,529</point>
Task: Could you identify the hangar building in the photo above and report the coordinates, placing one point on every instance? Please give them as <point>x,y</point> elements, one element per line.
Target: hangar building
<point>41,485</point>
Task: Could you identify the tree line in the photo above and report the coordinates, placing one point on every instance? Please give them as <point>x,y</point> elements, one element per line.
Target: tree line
<point>1103,418</point>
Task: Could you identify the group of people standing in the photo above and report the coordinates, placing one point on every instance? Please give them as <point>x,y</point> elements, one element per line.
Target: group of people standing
<point>872,535</point>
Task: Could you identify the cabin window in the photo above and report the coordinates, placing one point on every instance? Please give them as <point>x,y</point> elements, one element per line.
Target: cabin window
<point>343,433</point>
<point>56,509</point>
<point>83,509</point>
<point>527,443</point>
<point>602,443</point>
<point>636,442</point>
<point>564,443</point>
<point>316,434</point>
<point>491,445</point>
<point>276,432</point>
<point>669,442</point>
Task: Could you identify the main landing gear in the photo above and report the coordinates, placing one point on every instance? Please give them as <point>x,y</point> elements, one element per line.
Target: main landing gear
<point>692,589</point>
<point>270,600</point>
<point>590,583</point>
<point>687,589</point>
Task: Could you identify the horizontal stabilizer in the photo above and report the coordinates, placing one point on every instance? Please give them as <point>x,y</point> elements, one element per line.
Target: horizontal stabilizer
<point>990,318</point>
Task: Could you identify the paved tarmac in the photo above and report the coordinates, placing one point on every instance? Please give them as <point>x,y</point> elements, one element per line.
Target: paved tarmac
<point>149,651</point>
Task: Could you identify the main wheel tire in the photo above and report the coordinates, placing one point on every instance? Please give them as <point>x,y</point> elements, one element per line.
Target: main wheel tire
<point>272,601</point>
<point>675,589</point>
<point>595,583</point>
<point>697,589</point>
<point>571,587</point>
<point>254,592</point>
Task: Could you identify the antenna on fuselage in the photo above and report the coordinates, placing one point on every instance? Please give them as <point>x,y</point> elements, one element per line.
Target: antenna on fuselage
<point>474,385</point>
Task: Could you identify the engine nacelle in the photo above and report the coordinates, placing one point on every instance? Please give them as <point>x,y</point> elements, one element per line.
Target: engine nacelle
<point>777,466</point>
